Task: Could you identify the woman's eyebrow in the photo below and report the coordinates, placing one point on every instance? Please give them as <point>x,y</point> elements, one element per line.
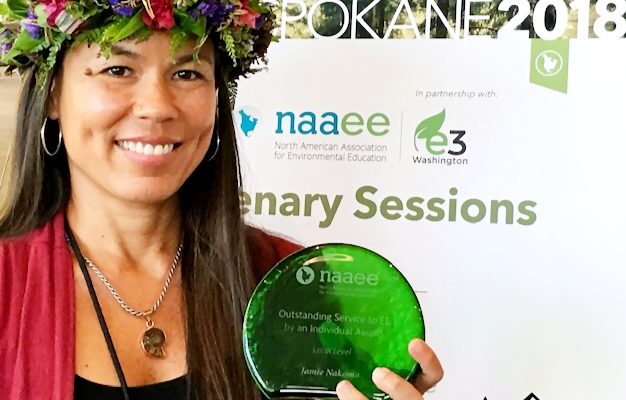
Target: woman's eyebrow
<point>118,50</point>
<point>187,58</point>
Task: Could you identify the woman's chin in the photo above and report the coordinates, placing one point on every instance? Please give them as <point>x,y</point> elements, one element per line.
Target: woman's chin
<point>146,195</point>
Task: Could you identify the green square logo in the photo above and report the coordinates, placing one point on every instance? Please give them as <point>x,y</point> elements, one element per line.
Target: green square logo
<point>549,63</point>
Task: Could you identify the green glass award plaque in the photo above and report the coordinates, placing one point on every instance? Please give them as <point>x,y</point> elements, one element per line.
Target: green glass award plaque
<point>328,313</point>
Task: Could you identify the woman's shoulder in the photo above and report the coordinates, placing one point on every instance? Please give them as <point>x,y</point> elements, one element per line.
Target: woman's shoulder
<point>268,248</point>
<point>33,256</point>
<point>36,309</point>
<point>49,234</point>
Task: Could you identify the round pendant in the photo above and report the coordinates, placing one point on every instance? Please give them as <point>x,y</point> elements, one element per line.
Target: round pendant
<point>153,342</point>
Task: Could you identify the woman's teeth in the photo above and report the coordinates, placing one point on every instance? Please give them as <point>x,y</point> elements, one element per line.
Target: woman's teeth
<point>146,149</point>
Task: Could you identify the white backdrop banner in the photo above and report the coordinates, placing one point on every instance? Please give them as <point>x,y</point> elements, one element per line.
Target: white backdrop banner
<point>487,170</point>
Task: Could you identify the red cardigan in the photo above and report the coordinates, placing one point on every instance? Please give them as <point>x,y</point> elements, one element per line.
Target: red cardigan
<point>37,309</point>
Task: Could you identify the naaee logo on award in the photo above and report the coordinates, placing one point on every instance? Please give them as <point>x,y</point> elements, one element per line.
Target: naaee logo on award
<point>305,275</point>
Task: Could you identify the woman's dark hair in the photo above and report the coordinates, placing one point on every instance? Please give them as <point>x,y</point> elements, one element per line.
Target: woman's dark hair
<point>216,269</point>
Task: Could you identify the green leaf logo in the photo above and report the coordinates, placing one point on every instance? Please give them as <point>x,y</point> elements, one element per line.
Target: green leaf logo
<point>429,127</point>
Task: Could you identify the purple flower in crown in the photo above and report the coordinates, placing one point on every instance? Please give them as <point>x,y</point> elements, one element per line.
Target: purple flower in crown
<point>214,11</point>
<point>5,41</point>
<point>4,48</point>
<point>121,9</point>
<point>34,30</point>
<point>5,34</point>
<point>125,11</point>
<point>260,21</point>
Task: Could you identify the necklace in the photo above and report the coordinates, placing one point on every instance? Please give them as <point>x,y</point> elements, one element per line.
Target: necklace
<point>153,339</point>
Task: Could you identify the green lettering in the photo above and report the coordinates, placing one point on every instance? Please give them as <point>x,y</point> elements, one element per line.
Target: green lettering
<point>482,210</point>
<point>439,212</point>
<point>431,143</point>
<point>413,205</point>
<point>525,207</point>
<point>495,208</point>
<point>452,205</point>
<point>330,210</point>
<point>270,197</point>
<point>373,122</point>
<point>309,199</point>
<point>371,206</point>
<point>352,119</point>
<point>388,204</point>
<point>291,205</point>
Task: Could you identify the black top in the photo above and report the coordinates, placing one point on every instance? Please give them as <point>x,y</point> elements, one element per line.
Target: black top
<point>174,389</point>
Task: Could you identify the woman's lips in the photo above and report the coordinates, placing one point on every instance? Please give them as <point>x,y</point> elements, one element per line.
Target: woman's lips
<point>147,149</point>
<point>147,154</point>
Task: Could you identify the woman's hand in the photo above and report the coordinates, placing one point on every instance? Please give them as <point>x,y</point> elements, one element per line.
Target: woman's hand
<point>397,387</point>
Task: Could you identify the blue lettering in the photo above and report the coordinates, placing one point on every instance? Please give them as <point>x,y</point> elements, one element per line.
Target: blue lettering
<point>333,124</point>
<point>280,116</point>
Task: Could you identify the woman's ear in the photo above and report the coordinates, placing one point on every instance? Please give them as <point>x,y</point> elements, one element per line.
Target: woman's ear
<point>54,99</point>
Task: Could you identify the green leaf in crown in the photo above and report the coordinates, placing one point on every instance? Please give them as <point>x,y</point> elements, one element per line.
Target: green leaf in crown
<point>17,8</point>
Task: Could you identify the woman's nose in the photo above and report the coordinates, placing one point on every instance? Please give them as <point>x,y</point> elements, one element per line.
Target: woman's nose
<point>155,100</point>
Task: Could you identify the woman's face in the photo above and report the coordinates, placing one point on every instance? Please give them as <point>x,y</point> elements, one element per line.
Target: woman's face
<point>137,124</point>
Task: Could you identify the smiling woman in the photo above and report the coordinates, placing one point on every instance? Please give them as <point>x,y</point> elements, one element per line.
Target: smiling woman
<point>125,263</point>
<point>135,129</point>
<point>122,236</point>
<point>146,123</point>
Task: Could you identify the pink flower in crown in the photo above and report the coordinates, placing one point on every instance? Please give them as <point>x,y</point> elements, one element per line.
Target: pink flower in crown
<point>163,14</point>
<point>248,17</point>
<point>53,9</point>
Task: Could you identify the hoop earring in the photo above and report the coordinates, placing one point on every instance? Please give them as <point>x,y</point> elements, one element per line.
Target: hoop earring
<point>217,148</point>
<point>43,140</point>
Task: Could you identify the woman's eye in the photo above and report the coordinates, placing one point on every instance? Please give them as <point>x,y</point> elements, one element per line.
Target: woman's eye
<point>117,71</point>
<point>187,75</point>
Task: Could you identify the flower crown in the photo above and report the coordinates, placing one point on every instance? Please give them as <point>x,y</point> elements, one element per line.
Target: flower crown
<point>35,31</point>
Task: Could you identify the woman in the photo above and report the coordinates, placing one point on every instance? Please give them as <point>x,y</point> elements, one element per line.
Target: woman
<point>124,192</point>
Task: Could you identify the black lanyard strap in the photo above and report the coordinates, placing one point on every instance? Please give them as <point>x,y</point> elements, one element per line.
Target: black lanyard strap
<point>96,305</point>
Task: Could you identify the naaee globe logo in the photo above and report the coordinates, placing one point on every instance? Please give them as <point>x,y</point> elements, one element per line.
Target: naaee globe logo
<point>247,119</point>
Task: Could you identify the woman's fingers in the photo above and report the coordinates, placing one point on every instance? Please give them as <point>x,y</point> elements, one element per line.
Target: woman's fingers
<point>394,385</point>
<point>432,372</point>
<point>346,391</point>
<point>387,381</point>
